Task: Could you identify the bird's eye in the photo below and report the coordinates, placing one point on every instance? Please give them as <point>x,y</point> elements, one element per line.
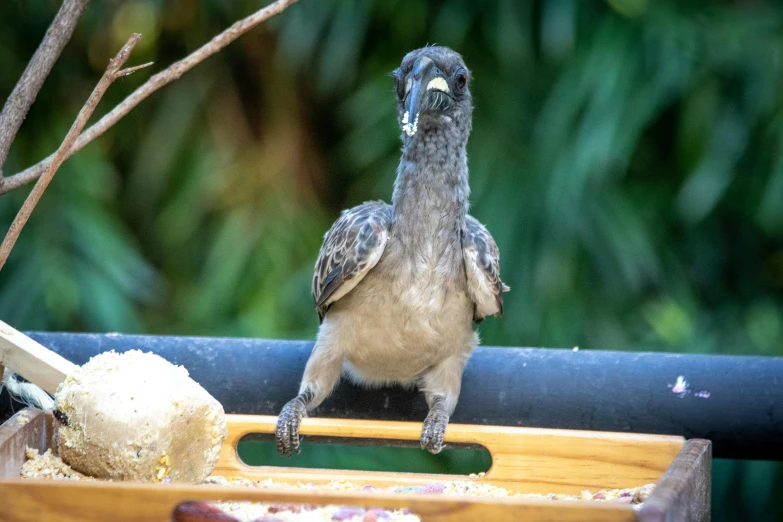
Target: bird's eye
<point>399,83</point>
<point>460,80</point>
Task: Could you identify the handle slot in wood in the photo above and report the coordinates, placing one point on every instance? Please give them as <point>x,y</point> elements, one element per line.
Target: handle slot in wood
<point>342,453</point>
<point>526,460</point>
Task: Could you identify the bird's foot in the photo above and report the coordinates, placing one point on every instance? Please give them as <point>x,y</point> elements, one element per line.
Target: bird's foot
<point>287,432</point>
<point>434,429</point>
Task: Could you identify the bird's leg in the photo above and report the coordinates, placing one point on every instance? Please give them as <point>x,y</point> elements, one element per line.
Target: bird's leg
<point>287,432</point>
<point>441,386</point>
<point>435,426</point>
<point>320,377</point>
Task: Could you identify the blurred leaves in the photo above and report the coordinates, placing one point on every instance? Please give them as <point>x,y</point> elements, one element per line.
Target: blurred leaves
<point>627,156</point>
<point>76,264</point>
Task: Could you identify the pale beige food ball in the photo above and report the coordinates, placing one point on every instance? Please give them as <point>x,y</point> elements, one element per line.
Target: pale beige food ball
<point>136,416</point>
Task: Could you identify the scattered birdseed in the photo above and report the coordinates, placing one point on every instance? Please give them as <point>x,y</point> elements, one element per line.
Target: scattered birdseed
<point>164,467</point>
<point>49,466</point>
<point>254,512</point>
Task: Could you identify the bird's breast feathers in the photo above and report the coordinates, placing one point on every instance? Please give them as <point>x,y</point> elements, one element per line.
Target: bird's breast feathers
<point>425,278</point>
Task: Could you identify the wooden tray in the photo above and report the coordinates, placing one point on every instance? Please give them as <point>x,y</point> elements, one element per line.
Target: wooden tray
<point>524,460</point>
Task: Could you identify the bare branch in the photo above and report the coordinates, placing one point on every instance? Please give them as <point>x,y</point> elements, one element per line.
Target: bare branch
<point>38,68</point>
<point>113,71</point>
<point>168,75</point>
<point>131,70</point>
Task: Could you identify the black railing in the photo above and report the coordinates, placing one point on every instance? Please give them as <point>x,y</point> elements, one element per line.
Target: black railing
<point>736,402</point>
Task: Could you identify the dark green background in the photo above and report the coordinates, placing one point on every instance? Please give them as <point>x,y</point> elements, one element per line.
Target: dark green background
<point>627,156</point>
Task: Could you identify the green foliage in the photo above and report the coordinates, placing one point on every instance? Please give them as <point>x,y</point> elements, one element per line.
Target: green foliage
<point>627,156</point>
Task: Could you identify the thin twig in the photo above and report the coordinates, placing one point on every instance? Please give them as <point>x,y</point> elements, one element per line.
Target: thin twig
<point>113,71</point>
<point>131,70</point>
<point>168,75</point>
<point>38,68</point>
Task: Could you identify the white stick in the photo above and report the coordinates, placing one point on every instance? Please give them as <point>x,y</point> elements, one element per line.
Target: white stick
<point>34,362</point>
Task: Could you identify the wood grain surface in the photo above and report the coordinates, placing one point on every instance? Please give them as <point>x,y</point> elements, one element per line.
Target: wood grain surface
<point>526,460</point>
<point>25,429</point>
<point>29,501</point>
<point>684,491</point>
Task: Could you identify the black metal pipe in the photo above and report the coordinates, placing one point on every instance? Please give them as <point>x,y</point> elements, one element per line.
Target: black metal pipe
<point>736,402</point>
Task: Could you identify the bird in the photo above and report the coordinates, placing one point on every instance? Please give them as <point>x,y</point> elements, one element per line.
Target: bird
<point>398,287</point>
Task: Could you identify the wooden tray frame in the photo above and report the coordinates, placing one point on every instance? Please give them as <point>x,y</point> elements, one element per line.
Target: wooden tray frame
<point>523,459</point>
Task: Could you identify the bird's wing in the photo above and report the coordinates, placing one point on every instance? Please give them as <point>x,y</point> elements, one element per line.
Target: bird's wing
<point>351,248</point>
<point>482,266</point>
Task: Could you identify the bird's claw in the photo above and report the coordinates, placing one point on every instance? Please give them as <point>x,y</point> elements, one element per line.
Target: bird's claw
<point>287,432</point>
<point>434,429</point>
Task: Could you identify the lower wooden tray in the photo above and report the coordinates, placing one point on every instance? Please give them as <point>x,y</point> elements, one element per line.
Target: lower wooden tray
<point>524,460</point>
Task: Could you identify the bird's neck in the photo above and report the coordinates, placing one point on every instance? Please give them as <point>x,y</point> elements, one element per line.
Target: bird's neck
<point>431,191</point>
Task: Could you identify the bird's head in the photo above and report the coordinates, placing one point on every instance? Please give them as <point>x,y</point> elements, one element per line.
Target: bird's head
<point>432,85</point>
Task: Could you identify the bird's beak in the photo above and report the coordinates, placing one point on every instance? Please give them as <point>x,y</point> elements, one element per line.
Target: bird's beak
<point>424,76</point>
<point>410,119</point>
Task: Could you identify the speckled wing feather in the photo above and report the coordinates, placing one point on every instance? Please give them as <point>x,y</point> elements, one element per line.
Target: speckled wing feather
<point>482,266</point>
<point>351,248</point>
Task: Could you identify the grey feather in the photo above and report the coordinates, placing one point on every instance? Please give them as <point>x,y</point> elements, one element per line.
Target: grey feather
<point>351,248</point>
<point>482,267</point>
